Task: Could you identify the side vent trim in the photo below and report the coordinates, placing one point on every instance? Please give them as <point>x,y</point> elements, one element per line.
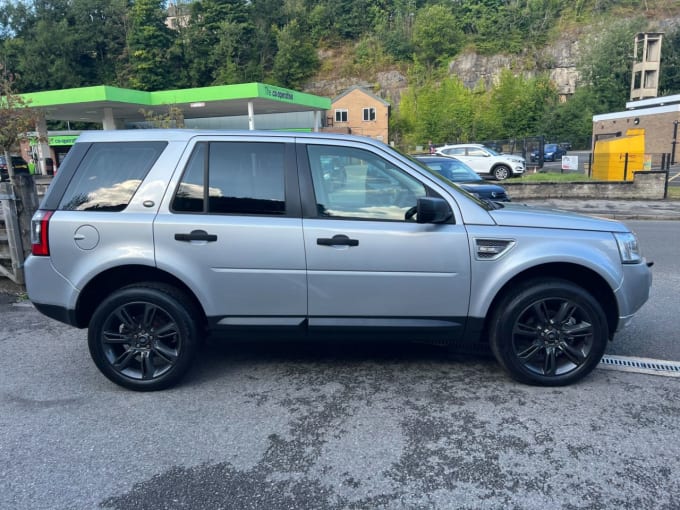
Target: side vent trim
<point>492,249</point>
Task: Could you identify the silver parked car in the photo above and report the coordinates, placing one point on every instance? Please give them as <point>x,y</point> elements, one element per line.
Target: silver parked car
<point>153,238</point>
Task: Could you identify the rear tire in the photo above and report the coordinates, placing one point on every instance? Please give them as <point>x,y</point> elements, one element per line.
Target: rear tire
<point>143,337</point>
<point>548,332</point>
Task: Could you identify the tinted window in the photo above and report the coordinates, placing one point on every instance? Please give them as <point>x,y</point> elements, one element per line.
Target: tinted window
<point>354,183</point>
<point>242,178</point>
<point>454,170</point>
<point>109,175</point>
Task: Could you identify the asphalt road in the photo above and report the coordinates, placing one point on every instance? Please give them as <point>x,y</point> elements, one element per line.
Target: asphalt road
<point>654,332</point>
<point>289,426</point>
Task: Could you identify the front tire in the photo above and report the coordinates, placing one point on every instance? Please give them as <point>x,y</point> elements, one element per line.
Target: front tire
<point>143,337</point>
<point>501,172</point>
<point>548,332</point>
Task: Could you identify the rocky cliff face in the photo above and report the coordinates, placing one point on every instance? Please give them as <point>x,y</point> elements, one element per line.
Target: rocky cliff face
<point>559,59</point>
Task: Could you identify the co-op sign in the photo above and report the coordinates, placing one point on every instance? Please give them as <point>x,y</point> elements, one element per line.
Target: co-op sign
<point>58,140</point>
<point>281,94</point>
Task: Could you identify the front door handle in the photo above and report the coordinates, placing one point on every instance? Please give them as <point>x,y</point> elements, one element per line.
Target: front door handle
<point>337,240</point>
<point>196,235</point>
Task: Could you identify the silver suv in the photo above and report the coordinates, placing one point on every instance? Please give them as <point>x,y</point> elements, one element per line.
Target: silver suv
<point>486,161</point>
<point>154,238</point>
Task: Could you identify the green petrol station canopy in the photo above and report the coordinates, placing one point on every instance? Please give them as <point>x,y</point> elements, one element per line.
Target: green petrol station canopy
<point>90,104</point>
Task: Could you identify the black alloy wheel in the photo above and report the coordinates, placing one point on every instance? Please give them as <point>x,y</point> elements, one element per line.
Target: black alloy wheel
<point>143,337</point>
<point>549,333</point>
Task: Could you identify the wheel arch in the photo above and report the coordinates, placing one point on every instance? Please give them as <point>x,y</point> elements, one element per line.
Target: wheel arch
<point>117,277</point>
<point>590,280</point>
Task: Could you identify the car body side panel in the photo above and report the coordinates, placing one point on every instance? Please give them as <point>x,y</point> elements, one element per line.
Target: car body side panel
<point>394,265</point>
<point>533,247</point>
<point>256,266</point>
<point>83,244</point>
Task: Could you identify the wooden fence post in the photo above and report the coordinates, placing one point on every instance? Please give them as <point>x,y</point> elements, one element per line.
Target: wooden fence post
<point>27,204</point>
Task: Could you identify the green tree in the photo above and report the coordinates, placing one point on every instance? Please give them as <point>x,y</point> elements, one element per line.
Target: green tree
<point>148,43</point>
<point>669,82</point>
<point>16,118</point>
<point>572,120</point>
<point>436,35</point>
<point>517,105</point>
<point>99,34</point>
<point>296,59</point>
<point>606,65</point>
<point>216,41</point>
<point>173,118</point>
<point>441,111</point>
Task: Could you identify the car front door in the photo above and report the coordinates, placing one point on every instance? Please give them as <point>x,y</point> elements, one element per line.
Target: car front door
<point>369,266</point>
<point>232,231</point>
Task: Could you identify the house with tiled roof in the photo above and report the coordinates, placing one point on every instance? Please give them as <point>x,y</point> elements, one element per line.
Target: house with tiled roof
<point>360,112</point>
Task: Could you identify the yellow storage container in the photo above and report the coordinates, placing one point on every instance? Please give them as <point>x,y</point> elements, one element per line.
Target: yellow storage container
<point>609,157</point>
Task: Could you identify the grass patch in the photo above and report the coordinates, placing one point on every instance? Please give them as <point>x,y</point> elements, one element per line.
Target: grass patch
<point>554,177</point>
<point>673,192</point>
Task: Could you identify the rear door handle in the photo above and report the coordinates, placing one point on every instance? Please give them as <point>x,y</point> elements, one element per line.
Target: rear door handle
<point>196,235</point>
<point>337,240</point>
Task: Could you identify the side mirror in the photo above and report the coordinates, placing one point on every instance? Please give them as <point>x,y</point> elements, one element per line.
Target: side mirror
<point>433,210</point>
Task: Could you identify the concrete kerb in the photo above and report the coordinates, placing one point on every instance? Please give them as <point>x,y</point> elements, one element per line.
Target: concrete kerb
<point>615,209</point>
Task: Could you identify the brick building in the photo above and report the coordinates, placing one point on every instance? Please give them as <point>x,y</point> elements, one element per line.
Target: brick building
<point>659,117</point>
<point>359,112</point>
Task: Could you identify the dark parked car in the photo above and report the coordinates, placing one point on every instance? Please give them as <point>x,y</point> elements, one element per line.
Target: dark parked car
<point>551,152</point>
<point>18,163</point>
<point>458,172</point>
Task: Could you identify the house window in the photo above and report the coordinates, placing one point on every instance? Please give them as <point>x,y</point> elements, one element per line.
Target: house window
<point>369,114</point>
<point>340,115</point>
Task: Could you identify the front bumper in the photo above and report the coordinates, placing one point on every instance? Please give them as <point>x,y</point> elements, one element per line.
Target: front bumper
<point>634,291</point>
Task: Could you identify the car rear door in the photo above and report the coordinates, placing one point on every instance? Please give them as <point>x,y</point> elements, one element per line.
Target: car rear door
<point>232,231</point>
<point>368,267</point>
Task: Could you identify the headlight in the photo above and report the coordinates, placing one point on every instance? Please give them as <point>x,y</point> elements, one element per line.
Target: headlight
<point>628,247</point>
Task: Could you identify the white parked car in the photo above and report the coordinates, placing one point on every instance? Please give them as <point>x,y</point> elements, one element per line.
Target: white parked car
<point>484,160</point>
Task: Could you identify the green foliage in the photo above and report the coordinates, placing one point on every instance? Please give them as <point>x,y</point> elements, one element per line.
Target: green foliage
<point>296,58</point>
<point>438,111</point>
<point>173,118</point>
<point>669,82</point>
<point>518,104</point>
<point>16,118</point>
<point>51,44</point>
<point>436,35</point>
<point>606,66</point>
<point>572,120</point>
<point>149,40</point>
<point>447,111</point>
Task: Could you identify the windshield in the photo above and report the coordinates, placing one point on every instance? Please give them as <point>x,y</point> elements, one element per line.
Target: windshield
<point>491,151</point>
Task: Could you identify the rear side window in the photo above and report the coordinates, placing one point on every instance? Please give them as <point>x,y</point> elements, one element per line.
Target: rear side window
<point>109,175</point>
<point>234,178</point>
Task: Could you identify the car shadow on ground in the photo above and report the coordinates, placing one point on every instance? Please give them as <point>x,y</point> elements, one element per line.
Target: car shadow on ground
<point>218,356</point>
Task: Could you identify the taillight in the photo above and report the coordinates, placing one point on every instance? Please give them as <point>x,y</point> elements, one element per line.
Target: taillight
<point>39,233</point>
